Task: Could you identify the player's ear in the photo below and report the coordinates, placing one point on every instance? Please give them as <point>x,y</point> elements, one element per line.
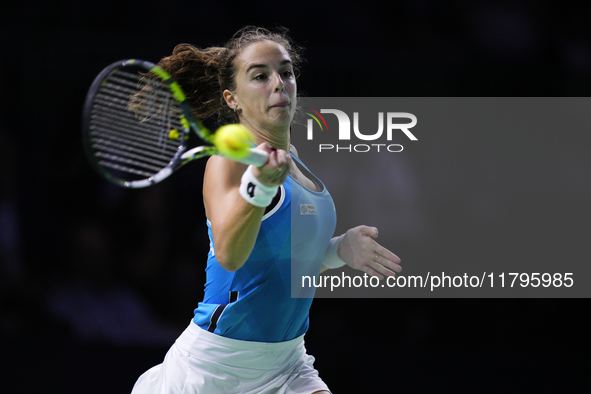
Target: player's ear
<point>230,99</point>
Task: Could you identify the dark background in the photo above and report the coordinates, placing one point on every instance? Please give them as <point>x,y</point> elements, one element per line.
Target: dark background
<point>97,282</point>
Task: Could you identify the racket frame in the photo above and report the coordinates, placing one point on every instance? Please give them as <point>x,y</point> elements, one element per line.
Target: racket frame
<point>187,119</point>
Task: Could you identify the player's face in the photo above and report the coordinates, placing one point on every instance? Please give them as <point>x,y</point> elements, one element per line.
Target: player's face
<point>265,86</point>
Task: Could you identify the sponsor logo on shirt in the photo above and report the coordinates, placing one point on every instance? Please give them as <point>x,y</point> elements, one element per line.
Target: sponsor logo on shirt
<point>308,209</point>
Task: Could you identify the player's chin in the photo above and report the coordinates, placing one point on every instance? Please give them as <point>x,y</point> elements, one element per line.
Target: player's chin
<point>277,127</point>
<point>281,118</point>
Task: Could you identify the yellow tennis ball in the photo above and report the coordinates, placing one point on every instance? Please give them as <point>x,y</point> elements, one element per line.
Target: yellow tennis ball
<point>233,141</point>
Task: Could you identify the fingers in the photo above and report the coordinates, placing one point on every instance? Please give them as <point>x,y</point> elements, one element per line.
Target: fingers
<point>387,266</point>
<point>280,158</point>
<point>370,231</point>
<point>380,269</point>
<point>386,254</point>
<point>386,257</point>
<point>365,254</point>
<point>370,271</point>
<point>384,262</point>
<point>378,265</point>
<point>275,171</point>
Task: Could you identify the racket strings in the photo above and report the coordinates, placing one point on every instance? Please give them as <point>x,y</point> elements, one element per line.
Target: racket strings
<point>127,151</point>
<point>135,126</point>
<point>109,121</point>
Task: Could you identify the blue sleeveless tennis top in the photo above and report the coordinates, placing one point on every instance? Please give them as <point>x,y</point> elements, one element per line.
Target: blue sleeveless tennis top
<point>258,302</point>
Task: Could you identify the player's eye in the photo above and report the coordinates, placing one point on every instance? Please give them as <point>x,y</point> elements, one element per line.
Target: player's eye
<point>260,77</point>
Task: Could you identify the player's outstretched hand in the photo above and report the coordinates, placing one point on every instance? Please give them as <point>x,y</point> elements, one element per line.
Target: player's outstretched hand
<point>359,250</point>
<point>275,171</point>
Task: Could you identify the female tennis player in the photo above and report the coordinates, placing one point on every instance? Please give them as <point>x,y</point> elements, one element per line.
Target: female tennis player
<point>265,223</point>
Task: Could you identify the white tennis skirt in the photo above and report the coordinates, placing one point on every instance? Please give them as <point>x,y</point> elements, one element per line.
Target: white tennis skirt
<point>206,363</point>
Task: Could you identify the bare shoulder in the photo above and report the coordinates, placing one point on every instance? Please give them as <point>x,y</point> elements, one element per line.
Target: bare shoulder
<point>221,178</point>
<point>293,150</point>
<point>222,171</point>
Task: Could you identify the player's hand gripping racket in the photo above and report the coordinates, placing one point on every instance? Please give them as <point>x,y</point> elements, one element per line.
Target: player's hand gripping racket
<point>136,125</point>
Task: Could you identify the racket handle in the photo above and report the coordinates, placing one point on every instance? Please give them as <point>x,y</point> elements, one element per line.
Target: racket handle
<point>257,158</point>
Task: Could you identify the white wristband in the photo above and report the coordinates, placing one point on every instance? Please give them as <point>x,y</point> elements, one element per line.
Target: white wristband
<point>253,191</point>
<point>331,258</point>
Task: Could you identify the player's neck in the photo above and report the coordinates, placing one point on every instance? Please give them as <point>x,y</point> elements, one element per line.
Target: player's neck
<point>278,142</point>
<point>278,139</point>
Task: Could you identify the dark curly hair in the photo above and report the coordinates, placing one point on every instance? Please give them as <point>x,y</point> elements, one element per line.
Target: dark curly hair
<point>204,74</point>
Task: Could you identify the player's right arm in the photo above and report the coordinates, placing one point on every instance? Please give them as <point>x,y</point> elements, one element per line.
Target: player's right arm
<point>235,223</point>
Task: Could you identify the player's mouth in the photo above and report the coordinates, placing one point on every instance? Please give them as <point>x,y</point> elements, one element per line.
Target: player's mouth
<point>280,104</point>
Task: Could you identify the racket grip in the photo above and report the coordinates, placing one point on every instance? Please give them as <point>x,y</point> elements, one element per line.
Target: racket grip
<point>257,158</point>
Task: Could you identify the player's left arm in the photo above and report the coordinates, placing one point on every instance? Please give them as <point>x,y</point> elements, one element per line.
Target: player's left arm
<point>358,249</point>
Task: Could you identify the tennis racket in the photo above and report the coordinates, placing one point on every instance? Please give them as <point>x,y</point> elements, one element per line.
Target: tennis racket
<point>136,125</point>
